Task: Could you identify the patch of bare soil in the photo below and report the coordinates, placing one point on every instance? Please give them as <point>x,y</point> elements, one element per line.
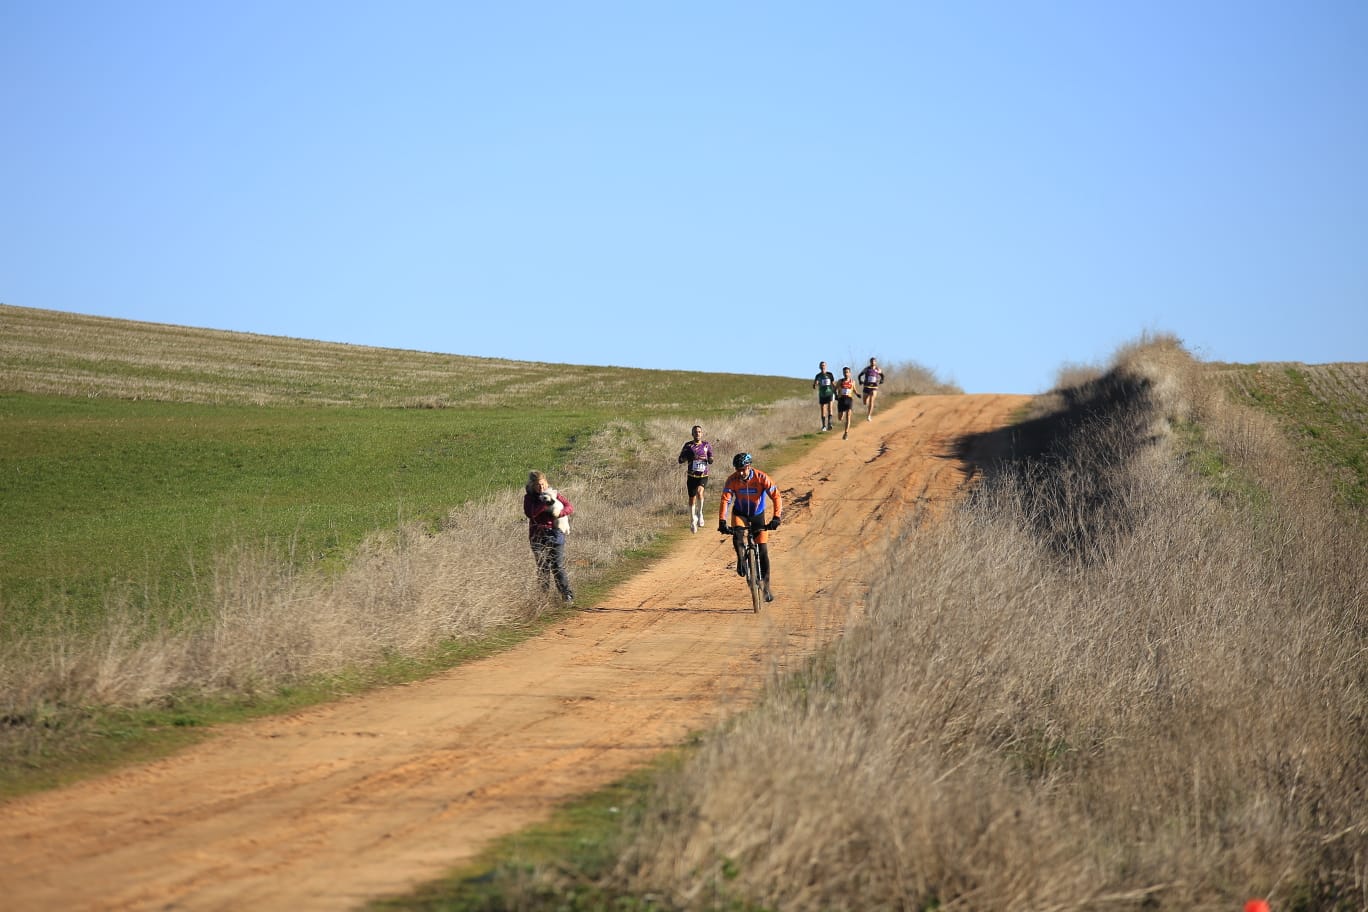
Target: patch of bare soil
<point>331,807</point>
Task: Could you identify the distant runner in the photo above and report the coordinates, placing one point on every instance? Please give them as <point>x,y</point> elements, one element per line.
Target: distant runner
<point>825,385</point>
<point>845,399</point>
<point>698,455</point>
<point>746,491</point>
<point>870,378</point>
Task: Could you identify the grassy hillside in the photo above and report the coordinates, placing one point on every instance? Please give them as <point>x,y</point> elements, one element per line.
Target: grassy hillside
<point>134,453</point>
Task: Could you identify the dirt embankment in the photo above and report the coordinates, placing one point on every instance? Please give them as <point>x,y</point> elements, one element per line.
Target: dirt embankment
<point>328,808</point>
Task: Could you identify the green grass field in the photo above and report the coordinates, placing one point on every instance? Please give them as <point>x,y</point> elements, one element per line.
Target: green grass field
<point>145,493</point>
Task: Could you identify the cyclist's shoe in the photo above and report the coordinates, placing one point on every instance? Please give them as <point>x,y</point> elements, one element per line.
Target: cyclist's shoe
<point>740,569</point>
<point>769,596</point>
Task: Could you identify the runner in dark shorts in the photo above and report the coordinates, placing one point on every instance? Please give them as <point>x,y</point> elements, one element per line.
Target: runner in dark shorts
<point>697,456</point>
<point>825,385</point>
<point>845,400</point>
<point>870,378</point>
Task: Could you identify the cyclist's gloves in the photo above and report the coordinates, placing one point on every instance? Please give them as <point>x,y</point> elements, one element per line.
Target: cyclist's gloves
<point>773,523</point>
<point>722,527</point>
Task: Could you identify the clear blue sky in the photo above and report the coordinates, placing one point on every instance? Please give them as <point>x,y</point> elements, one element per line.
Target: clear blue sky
<point>990,189</point>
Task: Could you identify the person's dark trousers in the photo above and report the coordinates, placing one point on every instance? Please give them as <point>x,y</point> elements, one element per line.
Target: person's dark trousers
<point>549,552</point>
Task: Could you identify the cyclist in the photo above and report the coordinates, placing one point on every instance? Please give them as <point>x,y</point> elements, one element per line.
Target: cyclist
<point>870,378</point>
<point>845,399</point>
<point>747,491</point>
<point>698,454</point>
<point>825,385</point>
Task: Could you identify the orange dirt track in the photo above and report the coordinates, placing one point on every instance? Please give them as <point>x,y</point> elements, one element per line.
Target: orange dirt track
<point>337,805</point>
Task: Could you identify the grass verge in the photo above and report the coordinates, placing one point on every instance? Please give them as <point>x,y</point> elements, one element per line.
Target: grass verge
<point>555,865</point>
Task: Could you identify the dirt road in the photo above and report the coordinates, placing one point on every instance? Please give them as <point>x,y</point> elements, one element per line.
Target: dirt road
<point>330,807</point>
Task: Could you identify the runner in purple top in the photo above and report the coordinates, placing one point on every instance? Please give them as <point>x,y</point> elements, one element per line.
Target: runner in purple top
<point>697,455</point>
<point>870,378</point>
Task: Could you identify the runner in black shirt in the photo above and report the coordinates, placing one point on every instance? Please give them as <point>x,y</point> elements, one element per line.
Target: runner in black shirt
<point>825,385</point>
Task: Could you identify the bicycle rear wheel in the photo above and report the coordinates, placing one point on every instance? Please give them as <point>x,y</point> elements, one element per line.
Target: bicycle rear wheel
<point>753,579</point>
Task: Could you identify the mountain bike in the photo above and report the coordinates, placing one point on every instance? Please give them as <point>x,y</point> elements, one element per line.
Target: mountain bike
<point>750,561</point>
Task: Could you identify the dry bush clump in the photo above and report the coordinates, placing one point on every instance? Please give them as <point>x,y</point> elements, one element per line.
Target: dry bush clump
<point>1074,375</point>
<point>913,379</point>
<point>1075,458</point>
<point>1171,717</point>
<point>264,624</point>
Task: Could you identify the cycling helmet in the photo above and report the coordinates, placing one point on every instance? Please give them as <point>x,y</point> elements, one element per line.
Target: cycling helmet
<point>741,460</point>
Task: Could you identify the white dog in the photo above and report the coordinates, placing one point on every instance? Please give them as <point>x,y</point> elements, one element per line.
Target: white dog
<point>562,522</point>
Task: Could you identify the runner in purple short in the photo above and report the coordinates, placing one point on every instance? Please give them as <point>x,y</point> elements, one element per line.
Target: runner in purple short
<point>870,378</point>
<point>697,456</point>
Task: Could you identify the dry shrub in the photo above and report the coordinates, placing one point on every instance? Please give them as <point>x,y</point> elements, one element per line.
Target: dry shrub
<point>1076,374</point>
<point>913,379</point>
<point>1171,717</point>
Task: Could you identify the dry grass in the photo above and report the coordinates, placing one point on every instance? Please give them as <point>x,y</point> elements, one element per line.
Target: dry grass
<point>1172,712</point>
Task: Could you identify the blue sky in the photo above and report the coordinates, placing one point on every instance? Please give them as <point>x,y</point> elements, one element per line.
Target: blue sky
<point>992,190</point>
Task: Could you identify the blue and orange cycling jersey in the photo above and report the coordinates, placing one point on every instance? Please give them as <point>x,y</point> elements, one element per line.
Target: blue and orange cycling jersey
<point>747,496</point>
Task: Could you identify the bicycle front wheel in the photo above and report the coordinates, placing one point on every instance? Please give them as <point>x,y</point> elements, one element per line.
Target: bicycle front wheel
<point>757,584</point>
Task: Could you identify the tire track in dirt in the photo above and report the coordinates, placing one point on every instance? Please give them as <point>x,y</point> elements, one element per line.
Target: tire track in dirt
<point>330,807</point>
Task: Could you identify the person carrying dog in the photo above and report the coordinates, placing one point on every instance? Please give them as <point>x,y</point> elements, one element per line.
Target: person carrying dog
<point>548,519</point>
